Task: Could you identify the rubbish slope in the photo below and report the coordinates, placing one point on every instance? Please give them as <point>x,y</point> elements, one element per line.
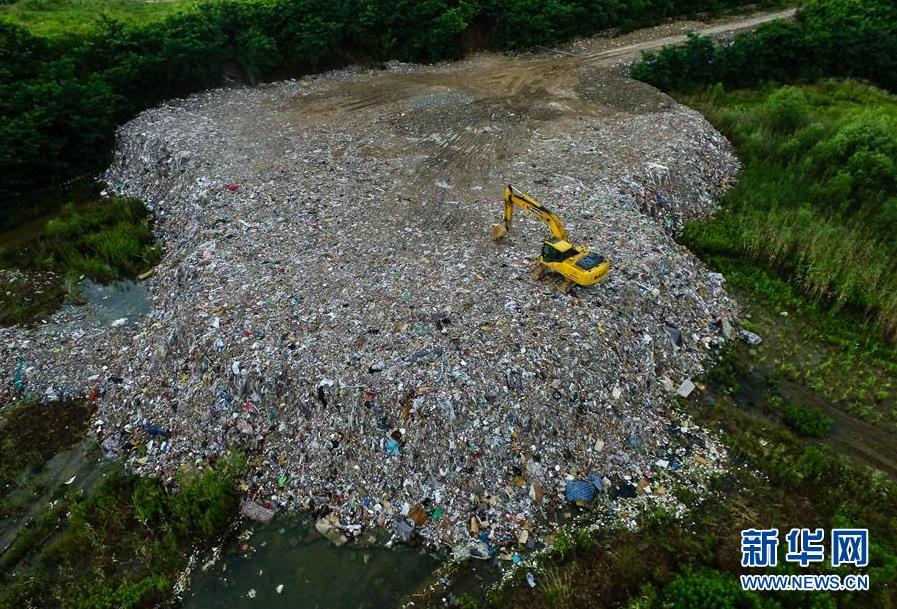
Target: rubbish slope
<point>331,302</point>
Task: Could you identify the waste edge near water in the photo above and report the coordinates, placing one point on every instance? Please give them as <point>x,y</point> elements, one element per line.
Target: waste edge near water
<point>286,564</point>
<point>115,301</point>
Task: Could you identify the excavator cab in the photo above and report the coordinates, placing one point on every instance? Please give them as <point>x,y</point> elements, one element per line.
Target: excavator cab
<point>557,250</point>
<point>576,264</point>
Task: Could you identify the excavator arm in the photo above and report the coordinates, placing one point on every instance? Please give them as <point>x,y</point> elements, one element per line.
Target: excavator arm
<point>577,264</point>
<point>526,203</point>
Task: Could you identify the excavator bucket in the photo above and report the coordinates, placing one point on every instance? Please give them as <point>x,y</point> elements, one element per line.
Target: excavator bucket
<point>499,231</point>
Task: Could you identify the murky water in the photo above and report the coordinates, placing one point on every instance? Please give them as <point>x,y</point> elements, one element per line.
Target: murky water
<point>313,573</point>
<point>115,303</point>
<point>117,300</point>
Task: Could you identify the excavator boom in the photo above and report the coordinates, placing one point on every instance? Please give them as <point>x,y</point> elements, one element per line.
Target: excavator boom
<point>528,204</point>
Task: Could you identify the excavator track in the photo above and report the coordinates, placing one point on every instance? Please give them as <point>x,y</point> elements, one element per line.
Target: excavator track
<point>565,286</point>
<point>562,284</point>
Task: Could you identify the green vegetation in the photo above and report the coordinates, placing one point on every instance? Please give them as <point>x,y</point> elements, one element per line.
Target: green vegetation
<point>119,544</point>
<point>62,96</point>
<point>829,38</point>
<point>104,239</point>
<point>843,358</point>
<point>122,546</point>
<point>807,421</point>
<point>61,17</point>
<point>817,199</point>
<point>557,586</point>
<point>708,588</point>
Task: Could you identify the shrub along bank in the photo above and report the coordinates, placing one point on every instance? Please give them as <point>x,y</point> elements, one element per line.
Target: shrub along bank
<point>828,38</point>
<point>817,199</point>
<point>121,547</point>
<point>101,238</point>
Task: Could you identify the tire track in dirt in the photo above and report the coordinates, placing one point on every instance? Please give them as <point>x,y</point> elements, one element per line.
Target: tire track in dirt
<point>464,120</point>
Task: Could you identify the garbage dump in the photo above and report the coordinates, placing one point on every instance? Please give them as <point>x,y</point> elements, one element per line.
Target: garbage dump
<point>330,301</point>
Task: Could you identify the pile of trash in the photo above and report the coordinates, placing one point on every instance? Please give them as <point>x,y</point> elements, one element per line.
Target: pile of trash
<point>330,301</point>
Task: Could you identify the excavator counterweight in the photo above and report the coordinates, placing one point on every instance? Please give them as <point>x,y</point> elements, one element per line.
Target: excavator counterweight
<point>577,264</point>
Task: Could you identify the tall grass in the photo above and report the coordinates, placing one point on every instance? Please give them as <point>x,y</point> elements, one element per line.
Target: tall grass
<point>105,239</point>
<point>65,17</point>
<point>556,586</point>
<point>818,196</point>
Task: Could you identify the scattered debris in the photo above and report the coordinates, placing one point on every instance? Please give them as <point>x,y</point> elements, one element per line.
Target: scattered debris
<point>749,337</point>
<point>685,388</point>
<point>254,511</point>
<point>404,529</point>
<point>579,491</point>
<point>726,328</point>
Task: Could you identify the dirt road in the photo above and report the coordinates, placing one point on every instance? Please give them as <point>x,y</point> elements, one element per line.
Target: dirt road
<point>726,28</point>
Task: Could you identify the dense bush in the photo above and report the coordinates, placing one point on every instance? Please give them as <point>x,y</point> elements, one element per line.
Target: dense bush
<point>843,38</point>
<point>817,198</point>
<point>61,98</point>
<point>807,421</point>
<point>787,110</point>
<point>708,588</point>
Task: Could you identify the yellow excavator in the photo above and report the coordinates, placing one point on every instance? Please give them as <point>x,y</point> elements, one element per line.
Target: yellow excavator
<point>575,263</point>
